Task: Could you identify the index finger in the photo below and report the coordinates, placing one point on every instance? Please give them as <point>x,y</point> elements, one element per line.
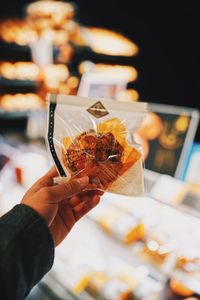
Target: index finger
<point>67,190</point>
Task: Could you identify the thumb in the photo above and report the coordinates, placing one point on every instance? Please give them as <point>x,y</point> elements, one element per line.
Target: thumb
<point>67,190</point>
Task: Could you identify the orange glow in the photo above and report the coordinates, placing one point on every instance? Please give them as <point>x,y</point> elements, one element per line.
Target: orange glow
<point>178,288</point>
<point>20,102</point>
<point>20,71</point>
<point>56,72</point>
<point>182,123</point>
<point>108,42</point>
<point>73,82</point>
<point>130,95</point>
<point>54,75</point>
<point>151,127</point>
<point>24,32</point>
<point>64,89</point>
<point>57,11</point>
<point>51,74</point>
<point>17,31</point>
<point>127,73</point>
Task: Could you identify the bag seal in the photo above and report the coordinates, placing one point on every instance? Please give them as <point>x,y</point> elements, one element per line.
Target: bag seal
<point>52,108</point>
<point>135,107</point>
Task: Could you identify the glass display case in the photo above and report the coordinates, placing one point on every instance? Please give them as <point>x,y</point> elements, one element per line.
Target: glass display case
<point>126,248</point>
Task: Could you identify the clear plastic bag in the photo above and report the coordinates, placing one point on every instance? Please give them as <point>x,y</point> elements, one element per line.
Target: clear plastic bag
<point>95,137</point>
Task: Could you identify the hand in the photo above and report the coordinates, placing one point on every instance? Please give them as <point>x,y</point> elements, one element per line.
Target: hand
<point>61,206</point>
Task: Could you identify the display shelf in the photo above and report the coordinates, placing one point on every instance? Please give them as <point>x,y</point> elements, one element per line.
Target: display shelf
<point>129,253</point>
<point>175,223</point>
<point>132,253</point>
<point>58,289</point>
<point>186,210</point>
<point>16,82</point>
<point>18,114</point>
<point>13,46</point>
<point>18,88</point>
<point>189,203</point>
<point>14,52</point>
<point>110,246</point>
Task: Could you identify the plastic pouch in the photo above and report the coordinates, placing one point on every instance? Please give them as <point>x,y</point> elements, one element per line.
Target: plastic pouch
<point>94,137</point>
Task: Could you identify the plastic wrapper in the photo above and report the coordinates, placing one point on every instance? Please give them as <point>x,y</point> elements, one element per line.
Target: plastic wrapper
<point>94,137</point>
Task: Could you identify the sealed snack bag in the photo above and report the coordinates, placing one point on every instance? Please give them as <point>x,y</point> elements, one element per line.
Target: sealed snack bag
<point>94,137</point>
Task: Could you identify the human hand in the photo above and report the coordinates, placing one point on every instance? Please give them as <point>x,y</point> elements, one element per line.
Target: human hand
<point>61,206</point>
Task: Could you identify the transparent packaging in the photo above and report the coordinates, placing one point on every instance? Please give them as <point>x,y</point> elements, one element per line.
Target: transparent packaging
<point>95,137</point>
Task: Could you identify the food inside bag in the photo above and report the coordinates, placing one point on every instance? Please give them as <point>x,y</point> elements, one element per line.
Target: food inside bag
<point>96,138</point>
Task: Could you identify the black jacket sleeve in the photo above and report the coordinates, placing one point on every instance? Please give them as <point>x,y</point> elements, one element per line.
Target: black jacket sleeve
<point>26,252</point>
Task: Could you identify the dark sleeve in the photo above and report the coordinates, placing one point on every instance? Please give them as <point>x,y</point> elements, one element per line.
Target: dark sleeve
<point>26,252</point>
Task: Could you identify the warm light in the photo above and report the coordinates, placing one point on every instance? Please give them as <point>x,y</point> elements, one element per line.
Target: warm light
<point>179,288</point>
<point>54,76</point>
<point>58,73</point>
<point>71,27</point>
<point>127,73</point>
<point>7,70</point>
<point>17,31</point>
<point>56,10</point>
<point>86,66</point>
<point>153,245</point>
<point>20,71</point>
<point>73,82</point>
<point>130,95</point>
<point>164,249</point>
<point>182,123</point>
<point>57,37</point>
<point>64,89</point>
<point>108,42</point>
<point>151,127</point>
<point>30,71</point>
<point>20,102</point>
<point>69,87</point>
<point>25,32</point>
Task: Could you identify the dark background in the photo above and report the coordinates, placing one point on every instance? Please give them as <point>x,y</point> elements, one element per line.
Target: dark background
<point>167,34</point>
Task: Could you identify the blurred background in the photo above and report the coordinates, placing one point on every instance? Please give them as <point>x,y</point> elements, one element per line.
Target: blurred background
<point>166,33</point>
<point>139,248</point>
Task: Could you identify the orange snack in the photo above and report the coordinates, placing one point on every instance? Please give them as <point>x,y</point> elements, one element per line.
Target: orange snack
<point>103,155</point>
<point>179,289</point>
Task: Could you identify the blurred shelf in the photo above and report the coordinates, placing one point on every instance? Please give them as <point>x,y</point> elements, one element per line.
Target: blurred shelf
<point>128,252</point>
<point>17,86</point>
<point>61,291</point>
<point>50,289</point>
<point>152,177</point>
<point>18,114</point>
<point>14,52</point>
<point>14,46</point>
<point>15,82</point>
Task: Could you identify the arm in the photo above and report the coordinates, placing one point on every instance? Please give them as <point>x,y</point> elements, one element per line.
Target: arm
<point>30,230</point>
<point>26,251</point>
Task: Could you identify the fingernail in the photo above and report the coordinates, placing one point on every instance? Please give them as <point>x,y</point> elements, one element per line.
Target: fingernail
<point>84,181</point>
